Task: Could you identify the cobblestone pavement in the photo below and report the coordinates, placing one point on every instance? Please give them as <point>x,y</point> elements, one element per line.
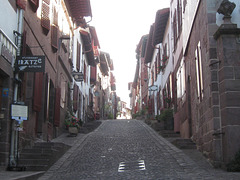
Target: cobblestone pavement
<point>128,149</point>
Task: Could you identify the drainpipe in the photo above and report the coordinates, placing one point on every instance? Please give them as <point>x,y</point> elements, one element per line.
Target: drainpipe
<point>14,133</point>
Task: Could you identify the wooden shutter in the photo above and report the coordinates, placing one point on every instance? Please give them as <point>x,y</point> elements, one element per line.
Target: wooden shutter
<point>57,107</point>
<point>156,71</point>
<point>85,73</point>
<point>45,20</point>
<point>94,75</point>
<point>54,28</point>
<point>75,97</point>
<point>175,29</point>
<point>38,89</point>
<point>159,60</point>
<point>51,102</point>
<point>78,56</point>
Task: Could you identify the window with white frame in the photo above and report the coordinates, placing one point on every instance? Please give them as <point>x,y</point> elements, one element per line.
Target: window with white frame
<point>181,83</point>
<point>199,73</point>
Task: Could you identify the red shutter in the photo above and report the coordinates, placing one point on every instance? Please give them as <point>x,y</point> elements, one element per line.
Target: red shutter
<point>57,107</point>
<point>54,37</point>
<point>78,56</point>
<point>38,89</point>
<point>75,97</point>
<point>156,69</point>
<point>34,4</point>
<point>85,72</point>
<point>93,76</point>
<point>45,20</point>
<point>159,61</point>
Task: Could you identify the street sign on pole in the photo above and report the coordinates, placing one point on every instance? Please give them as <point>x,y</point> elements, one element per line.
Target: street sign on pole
<point>19,112</point>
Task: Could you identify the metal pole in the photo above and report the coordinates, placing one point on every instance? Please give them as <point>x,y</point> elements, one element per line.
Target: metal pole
<point>14,133</point>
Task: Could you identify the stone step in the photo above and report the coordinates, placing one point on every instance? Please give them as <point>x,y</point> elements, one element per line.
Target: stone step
<point>169,133</point>
<point>31,162</point>
<point>35,167</point>
<point>38,151</point>
<point>184,143</point>
<point>35,155</point>
<point>49,144</point>
<point>42,155</point>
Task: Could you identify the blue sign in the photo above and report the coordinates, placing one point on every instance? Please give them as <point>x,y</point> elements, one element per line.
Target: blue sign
<point>5,92</point>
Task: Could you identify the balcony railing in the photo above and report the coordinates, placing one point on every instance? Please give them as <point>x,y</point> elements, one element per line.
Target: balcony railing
<point>7,48</point>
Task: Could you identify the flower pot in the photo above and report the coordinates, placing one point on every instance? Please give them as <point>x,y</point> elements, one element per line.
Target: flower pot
<point>73,130</point>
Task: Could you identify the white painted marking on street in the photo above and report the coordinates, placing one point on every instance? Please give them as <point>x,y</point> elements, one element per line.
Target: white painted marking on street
<point>131,166</point>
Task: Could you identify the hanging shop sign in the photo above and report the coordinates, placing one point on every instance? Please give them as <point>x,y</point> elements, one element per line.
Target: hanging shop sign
<point>30,63</point>
<point>78,76</point>
<point>152,88</point>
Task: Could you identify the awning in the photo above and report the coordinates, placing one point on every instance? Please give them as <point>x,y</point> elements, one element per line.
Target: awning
<point>95,41</point>
<point>104,64</point>
<point>136,76</point>
<point>142,45</point>
<point>94,36</point>
<point>79,8</point>
<point>149,47</point>
<point>161,20</point>
<point>88,47</point>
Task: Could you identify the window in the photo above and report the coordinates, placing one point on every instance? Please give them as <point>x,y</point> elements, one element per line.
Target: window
<point>199,74</point>
<point>78,56</point>
<point>175,30</point>
<point>63,92</point>
<point>54,27</point>
<point>181,84</point>
<point>177,23</point>
<point>179,16</point>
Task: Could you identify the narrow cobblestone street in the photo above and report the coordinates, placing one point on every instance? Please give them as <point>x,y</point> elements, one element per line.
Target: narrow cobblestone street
<point>128,149</point>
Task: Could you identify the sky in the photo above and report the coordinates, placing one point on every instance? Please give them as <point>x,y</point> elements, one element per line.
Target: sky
<point>120,24</point>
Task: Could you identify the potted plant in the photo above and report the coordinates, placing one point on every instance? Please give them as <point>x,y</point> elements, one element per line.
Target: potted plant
<point>72,123</point>
<point>166,116</point>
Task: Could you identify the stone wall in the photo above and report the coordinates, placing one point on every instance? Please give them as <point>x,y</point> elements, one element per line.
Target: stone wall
<point>228,52</point>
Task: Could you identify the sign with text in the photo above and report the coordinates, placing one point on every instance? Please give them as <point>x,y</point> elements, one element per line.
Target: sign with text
<point>78,76</point>
<point>30,63</point>
<point>19,112</point>
<point>152,88</point>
